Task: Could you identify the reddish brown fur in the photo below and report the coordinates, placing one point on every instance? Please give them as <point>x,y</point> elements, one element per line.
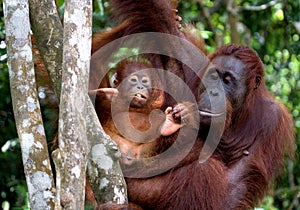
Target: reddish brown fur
<point>134,20</point>
<point>124,69</point>
<point>264,127</point>
<point>139,116</point>
<point>230,180</point>
<point>245,179</point>
<point>145,16</point>
<point>131,14</point>
<point>102,38</point>
<point>150,13</point>
<point>258,104</point>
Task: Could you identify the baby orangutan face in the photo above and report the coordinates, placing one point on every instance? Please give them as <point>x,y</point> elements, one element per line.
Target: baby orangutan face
<point>135,89</point>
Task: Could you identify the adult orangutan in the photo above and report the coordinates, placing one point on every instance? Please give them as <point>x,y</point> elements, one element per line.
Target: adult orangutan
<point>258,135</point>
<point>251,153</point>
<point>251,150</point>
<point>261,132</point>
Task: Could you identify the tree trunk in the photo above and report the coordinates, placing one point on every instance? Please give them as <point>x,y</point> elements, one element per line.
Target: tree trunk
<point>49,35</point>
<point>115,190</point>
<point>232,12</point>
<point>72,153</point>
<point>104,171</point>
<point>48,32</point>
<point>27,112</point>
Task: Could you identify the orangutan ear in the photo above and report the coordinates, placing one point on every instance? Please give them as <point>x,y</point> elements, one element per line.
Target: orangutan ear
<point>257,81</point>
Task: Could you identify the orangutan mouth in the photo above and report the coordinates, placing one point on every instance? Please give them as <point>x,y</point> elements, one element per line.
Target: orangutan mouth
<point>139,95</point>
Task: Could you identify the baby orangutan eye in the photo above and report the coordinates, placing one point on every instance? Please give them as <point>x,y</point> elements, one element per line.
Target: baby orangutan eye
<point>145,81</point>
<point>133,79</point>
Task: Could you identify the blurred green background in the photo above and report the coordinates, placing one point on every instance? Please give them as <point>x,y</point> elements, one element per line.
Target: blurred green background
<point>272,28</point>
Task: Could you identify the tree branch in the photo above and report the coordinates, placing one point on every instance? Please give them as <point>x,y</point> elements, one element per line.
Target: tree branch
<point>26,106</point>
<point>48,32</point>
<point>95,133</point>
<point>103,148</point>
<point>261,7</point>
<point>73,150</point>
<point>233,21</point>
<point>207,15</point>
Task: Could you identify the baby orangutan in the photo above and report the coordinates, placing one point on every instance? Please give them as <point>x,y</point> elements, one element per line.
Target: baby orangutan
<point>130,112</point>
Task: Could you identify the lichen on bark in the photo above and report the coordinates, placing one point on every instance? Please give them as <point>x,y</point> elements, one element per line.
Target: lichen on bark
<point>26,106</point>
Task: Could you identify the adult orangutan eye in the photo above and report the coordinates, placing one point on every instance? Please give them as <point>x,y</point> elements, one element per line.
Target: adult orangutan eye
<point>228,78</point>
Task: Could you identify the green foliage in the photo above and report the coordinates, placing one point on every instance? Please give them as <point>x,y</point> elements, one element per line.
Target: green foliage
<point>101,18</point>
<point>268,204</point>
<point>282,77</point>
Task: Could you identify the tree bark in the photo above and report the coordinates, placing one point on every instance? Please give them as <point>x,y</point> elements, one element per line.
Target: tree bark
<point>48,31</point>
<point>27,112</point>
<point>49,35</point>
<point>233,20</point>
<point>72,152</point>
<point>207,15</point>
<point>104,171</point>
